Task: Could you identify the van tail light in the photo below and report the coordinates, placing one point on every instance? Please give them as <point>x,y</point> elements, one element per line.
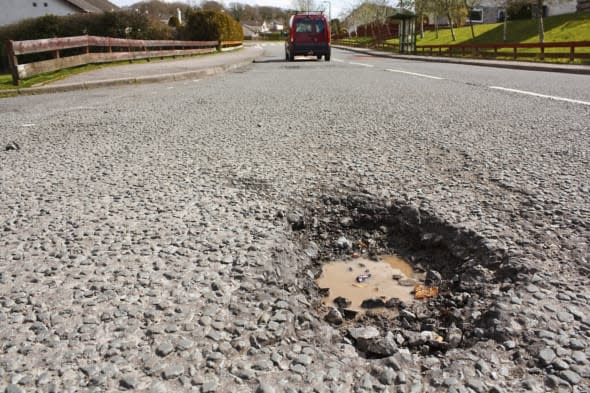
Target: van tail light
<point>292,39</point>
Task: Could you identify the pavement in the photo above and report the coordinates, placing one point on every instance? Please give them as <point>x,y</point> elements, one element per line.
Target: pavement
<point>516,65</point>
<point>155,71</point>
<point>208,65</point>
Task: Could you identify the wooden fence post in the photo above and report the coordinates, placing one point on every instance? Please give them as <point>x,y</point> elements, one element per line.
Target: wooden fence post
<point>12,62</point>
<point>542,55</point>
<point>515,52</point>
<point>572,55</point>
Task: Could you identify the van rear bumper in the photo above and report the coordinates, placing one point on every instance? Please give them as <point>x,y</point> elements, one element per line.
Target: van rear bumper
<point>311,49</point>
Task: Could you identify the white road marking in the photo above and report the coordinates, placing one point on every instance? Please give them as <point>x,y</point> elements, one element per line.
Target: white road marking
<point>415,74</point>
<point>530,93</point>
<point>338,60</point>
<point>28,125</point>
<point>170,88</point>
<point>196,80</point>
<point>361,64</point>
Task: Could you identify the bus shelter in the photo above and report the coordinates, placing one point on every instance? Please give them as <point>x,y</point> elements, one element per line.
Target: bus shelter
<point>407,31</point>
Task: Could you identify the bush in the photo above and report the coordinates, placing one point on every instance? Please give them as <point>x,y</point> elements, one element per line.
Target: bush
<point>275,36</point>
<point>121,24</point>
<point>173,21</point>
<point>211,26</point>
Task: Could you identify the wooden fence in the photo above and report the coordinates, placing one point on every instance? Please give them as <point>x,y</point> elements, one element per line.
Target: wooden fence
<point>528,51</point>
<point>34,57</point>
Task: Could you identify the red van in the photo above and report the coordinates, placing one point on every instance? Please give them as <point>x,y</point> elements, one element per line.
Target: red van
<point>309,35</point>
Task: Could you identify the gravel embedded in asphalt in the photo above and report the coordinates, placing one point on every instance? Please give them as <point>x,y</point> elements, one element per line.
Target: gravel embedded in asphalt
<point>150,233</point>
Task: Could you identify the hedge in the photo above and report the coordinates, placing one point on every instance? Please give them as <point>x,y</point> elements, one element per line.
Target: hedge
<point>200,26</point>
<point>211,26</point>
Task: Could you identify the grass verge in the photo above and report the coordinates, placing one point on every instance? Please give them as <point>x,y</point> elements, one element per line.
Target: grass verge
<point>559,28</point>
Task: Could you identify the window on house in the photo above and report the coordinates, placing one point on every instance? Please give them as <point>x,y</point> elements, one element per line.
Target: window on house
<point>476,15</point>
<point>34,4</point>
<point>45,5</point>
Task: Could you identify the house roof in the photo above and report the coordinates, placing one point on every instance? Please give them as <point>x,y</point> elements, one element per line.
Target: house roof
<point>94,5</point>
<point>249,31</point>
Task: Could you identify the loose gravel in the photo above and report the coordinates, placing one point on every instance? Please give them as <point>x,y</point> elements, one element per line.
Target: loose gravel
<point>166,238</point>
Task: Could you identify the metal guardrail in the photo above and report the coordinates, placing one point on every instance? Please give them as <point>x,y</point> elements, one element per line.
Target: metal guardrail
<point>499,50</point>
<point>86,49</point>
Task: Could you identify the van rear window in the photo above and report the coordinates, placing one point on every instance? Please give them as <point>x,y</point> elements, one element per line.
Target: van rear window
<point>319,26</point>
<point>303,26</point>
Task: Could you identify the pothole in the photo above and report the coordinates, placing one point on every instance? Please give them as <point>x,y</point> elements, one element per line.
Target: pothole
<point>471,275</point>
<point>360,284</point>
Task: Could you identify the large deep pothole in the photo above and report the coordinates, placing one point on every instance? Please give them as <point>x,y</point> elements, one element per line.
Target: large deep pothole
<point>472,275</point>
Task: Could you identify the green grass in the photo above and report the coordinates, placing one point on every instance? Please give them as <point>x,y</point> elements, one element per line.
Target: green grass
<point>6,80</point>
<point>559,28</point>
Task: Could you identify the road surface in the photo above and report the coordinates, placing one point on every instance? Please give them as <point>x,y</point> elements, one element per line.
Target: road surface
<point>165,237</point>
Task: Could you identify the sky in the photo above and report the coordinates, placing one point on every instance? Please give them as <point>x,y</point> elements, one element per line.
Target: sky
<point>338,6</point>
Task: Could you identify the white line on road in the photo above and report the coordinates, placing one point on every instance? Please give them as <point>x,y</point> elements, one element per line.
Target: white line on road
<point>415,74</point>
<point>530,93</point>
<point>338,60</point>
<point>361,64</point>
<point>28,125</point>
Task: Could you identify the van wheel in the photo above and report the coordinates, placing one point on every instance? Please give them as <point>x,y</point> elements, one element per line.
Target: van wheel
<point>286,56</point>
<point>291,57</point>
<point>327,57</point>
<point>319,57</point>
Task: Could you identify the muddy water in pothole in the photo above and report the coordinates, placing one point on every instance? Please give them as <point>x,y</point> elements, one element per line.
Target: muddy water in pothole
<point>361,278</point>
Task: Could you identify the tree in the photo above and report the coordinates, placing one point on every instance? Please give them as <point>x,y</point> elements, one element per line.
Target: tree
<point>470,5</point>
<point>451,10</point>
<point>420,7</point>
<point>305,5</point>
<point>212,5</point>
<point>156,9</point>
<point>335,26</point>
<point>368,13</point>
<point>237,10</point>
<point>540,26</point>
<point>173,21</point>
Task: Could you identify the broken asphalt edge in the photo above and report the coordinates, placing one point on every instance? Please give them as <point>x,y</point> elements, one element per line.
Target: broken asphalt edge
<point>527,66</point>
<point>171,77</point>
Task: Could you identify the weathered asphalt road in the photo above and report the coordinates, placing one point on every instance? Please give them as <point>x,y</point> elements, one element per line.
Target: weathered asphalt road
<point>145,242</point>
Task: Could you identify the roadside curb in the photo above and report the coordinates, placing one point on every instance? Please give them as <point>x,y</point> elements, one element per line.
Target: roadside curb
<point>563,68</point>
<point>173,77</point>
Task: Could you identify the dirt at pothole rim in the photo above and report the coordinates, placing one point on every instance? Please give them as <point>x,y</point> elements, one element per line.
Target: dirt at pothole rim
<point>475,272</point>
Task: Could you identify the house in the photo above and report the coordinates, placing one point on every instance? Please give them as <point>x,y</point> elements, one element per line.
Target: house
<point>491,11</point>
<point>253,29</point>
<point>250,28</point>
<point>14,11</point>
<point>271,27</point>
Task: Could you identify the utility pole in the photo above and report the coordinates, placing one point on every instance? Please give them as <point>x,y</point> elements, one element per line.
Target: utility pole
<point>329,10</point>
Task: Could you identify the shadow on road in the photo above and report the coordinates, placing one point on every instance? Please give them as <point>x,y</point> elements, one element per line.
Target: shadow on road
<point>270,61</point>
<point>285,61</point>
